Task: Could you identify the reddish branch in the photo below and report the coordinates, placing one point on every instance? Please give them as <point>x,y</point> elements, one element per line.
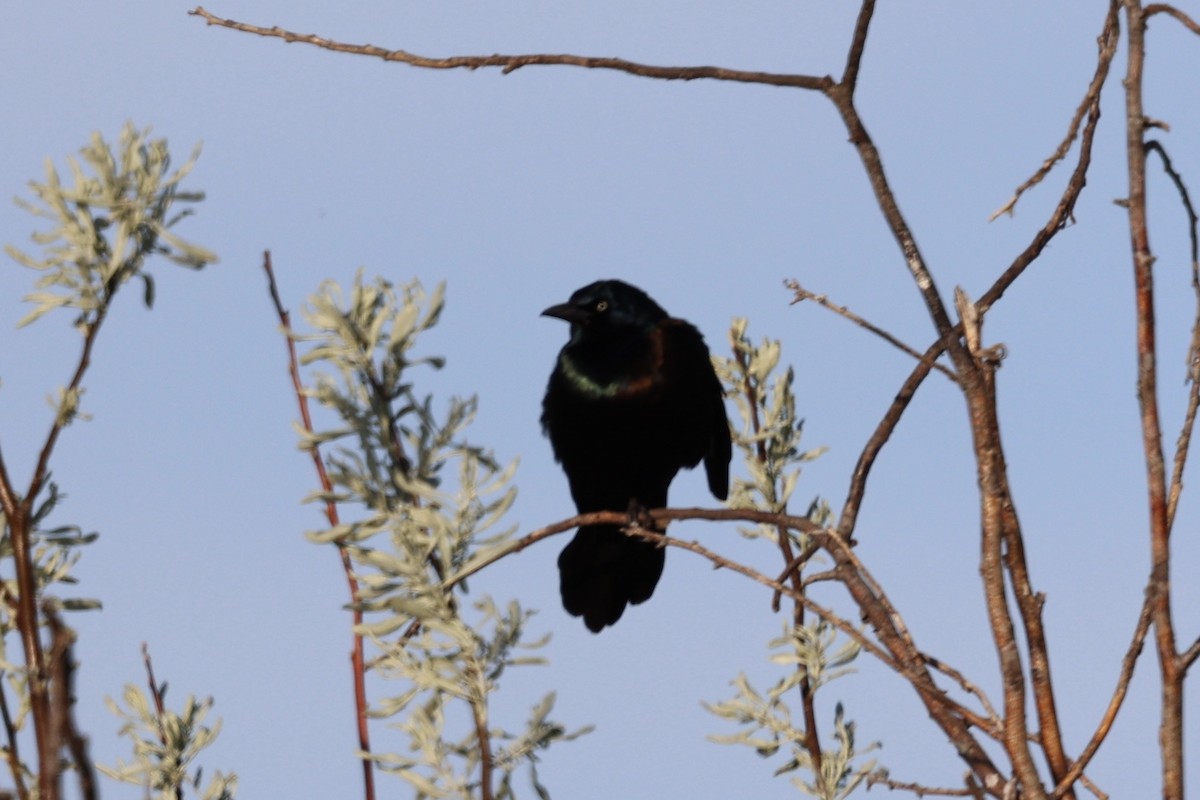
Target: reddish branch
<point>62,670</point>
<point>357,660</point>
<point>1170,667</point>
<point>18,511</point>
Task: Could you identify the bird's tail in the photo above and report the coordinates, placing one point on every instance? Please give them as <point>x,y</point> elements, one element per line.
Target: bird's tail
<point>602,570</point>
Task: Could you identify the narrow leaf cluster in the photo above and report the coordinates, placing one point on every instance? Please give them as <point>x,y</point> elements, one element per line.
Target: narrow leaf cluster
<point>809,651</point>
<point>116,213</point>
<point>165,745</point>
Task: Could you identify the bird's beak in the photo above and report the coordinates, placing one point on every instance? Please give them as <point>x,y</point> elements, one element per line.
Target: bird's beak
<point>572,314</point>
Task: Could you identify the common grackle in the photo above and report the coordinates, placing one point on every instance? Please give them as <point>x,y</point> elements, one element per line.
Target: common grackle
<point>632,399</point>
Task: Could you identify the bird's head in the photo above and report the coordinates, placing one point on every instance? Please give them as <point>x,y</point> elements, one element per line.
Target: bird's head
<point>606,309</point>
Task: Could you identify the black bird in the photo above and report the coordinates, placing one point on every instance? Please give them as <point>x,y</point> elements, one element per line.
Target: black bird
<point>632,399</point>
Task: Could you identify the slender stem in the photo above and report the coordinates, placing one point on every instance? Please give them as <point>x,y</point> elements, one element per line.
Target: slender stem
<point>357,656</point>
<point>1114,704</point>
<point>482,736</point>
<point>511,63</point>
<point>156,694</point>
<point>13,752</point>
<point>20,520</point>
<point>1171,722</point>
<point>802,294</point>
<point>812,740</point>
<point>1183,442</point>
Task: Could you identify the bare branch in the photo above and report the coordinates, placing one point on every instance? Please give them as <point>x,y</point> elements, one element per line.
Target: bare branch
<point>1183,442</point>
<point>858,43</point>
<point>1108,46</point>
<point>1171,11</point>
<point>920,790</point>
<point>802,294</point>
<point>898,653</point>
<point>1189,656</point>
<point>1114,704</point>
<point>1063,212</point>
<point>8,494</point>
<point>883,432</point>
<point>1171,707</point>
<point>511,63</point>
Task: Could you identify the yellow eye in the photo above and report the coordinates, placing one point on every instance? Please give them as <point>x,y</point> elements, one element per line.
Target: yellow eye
<point>602,305</point>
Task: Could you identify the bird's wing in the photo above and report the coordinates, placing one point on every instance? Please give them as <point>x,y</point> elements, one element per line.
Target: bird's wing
<point>689,367</point>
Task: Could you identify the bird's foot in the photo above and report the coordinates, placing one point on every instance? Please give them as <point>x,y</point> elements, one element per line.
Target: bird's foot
<point>639,517</point>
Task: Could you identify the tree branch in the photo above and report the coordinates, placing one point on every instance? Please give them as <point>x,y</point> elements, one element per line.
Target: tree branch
<point>802,294</point>
<point>1171,722</point>
<point>1171,11</point>
<point>511,63</point>
<point>898,652</point>
<point>1062,214</point>
<point>1090,104</point>
<point>1183,441</point>
<point>883,431</point>
<point>1114,704</point>
<point>357,657</point>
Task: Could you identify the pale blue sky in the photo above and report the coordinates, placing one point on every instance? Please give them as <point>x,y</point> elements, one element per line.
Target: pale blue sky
<point>518,189</point>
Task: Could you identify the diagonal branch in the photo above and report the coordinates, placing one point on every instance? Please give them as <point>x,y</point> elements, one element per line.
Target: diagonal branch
<point>1173,12</point>
<point>898,652</point>
<point>511,63</point>
<point>1108,47</point>
<point>1108,41</point>
<point>883,432</point>
<point>802,294</point>
<point>1114,704</point>
<point>858,43</point>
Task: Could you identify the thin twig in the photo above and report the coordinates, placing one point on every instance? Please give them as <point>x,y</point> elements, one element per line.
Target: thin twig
<point>12,750</point>
<point>157,691</point>
<point>1171,697</point>
<point>970,688</point>
<point>883,432</point>
<point>1172,11</point>
<point>858,44</point>
<point>1107,43</point>
<point>484,739</point>
<point>8,494</point>
<point>511,63</point>
<point>357,657</point>
<point>1189,656</point>
<point>1128,663</point>
<point>827,539</point>
<point>793,566</point>
<point>802,294</point>
<point>918,789</point>
<point>62,661</point>
<point>1183,441</point>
